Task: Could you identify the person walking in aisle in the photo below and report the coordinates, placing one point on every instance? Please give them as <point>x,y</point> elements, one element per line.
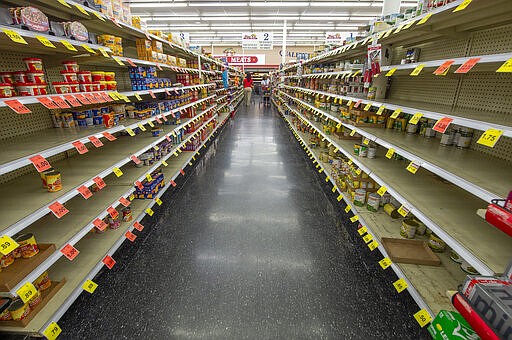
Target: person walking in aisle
<point>265,88</point>
<point>248,88</point>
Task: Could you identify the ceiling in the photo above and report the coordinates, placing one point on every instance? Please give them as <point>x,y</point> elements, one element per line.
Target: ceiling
<point>222,22</point>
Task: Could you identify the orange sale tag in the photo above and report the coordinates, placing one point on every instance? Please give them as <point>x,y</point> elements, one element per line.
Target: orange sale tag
<point>69,251</point>
<point>124,201</point>
<point>109,261</point>
<point>99,182</point>
<point>442,124</point>
<point>99,224</point>
<point>138,226</point>
<point>131,236</point>
<point>40,163</point>
<point>135,159</point>
<point>152,94</point>
<point>467,66</point>
<point>444,67</point>
<point>17,106</point>
<point>80,147</point>
<point>95,141</point>
<point>139,185</point>
<point>84,191</point>
<point>113,212</point>
<point>72,100</point>
<point>58,209</point>
<point>109,136</point>
<point>48,103</point>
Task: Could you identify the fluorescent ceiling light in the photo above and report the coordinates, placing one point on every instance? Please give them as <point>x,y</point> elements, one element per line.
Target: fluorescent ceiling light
<point>218,4</point>
<point>278,4</point>
<point>258,18</point>
<point>226,18</point>
<point>173,18</point>
<point>158,5</point>
<point>343,4</point>
<point>325,18</point>
<point>185,28</point>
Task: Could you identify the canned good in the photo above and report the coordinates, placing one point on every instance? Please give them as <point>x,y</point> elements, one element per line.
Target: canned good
<point>84,76</point>
<point>61,87</point>
<point>35,300</point>
<point>28,245</point>
<point>35,77</point>
<point>6,90</point>
<point>6,77</point>
<point>127,214</point>
<point>373,202</point>
<point>43,176</point>
<point>5,315</point>
<point>360,197</point>
<point>43,282</point>
<point>53,181</point>
<point>19,310</point>
<point>98,76</point>
<point>69,76</point>
<point>34,64</point>
<point>27,89</point>
<point>20,77</point>
<point>408,228</point>
<point>391,210</point>
<point>110,76</point>
<point>7,260</point>
<point>436,244</point>
<point>71,66</point>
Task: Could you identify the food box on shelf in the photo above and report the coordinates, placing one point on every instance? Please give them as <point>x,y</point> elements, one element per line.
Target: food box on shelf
<point>452,326</point>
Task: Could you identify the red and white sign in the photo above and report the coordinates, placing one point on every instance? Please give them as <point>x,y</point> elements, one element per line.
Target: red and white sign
<point>254,59</point>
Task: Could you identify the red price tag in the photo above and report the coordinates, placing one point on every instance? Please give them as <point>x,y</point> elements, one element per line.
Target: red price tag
<point>444,67</point>
<point>96,141</point>
<point>82,99</point>
<point>80,147</point>
<point>168,138</point>
<point>132,64</point>
<point>139,185</point>
<point>158,120</point>
<point>167,92</point>
<point>358,103</point>
<point>113,212</point>
<point>58,209</point>
<point>467,66</point>
<point>60,102</point>
<point>182,172</point>
<point>91,98</point>
<point>99,224</point>
<point>17,107</point>
<point>109,261</point>
<point>99,182</point>
<point>138,226</point>
<point>159,67</point>
<point>173,115</point>
<point>114,20</point>
<point>131,236</point>
<point>152,94</point>
<point>173,183</point>
<point>107,97</point>
<point>69,251</point>
<point>135,159</point>
<point>147,35</point>
<point>84,191</point>
<point>164,118</point>
<point>124,201</point>
<point>109,136</point>
<point>72,100</point>
<point>40,163</point>
<point>442,124</point>
<point>48,103</point>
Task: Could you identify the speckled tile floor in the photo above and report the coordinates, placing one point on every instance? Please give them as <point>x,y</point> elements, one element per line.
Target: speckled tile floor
<point>251,247</point>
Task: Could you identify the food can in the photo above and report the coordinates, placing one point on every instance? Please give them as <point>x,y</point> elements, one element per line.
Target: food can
<point>71,66</point>
<point>421,228</point>
<point>84,76</point>
<point>35,77</point>
<point>61,87</point>
<point>26,89</point>
<point>372,151</point>
<point>74,86</point>
<point>373,202</point>
<point>6,77</point>
<point>53,181</point>
<point>385,199</point>
<point>34,64</point>
<point>42,89</point>
<point>35,300</point>
<point>28,245</point>
<point>363,151</point>
<point>69,76</point>
<point>114,223</point>
<point>43,176</point>
<point>19,310</point>
<point>436,244</point>
<point>447,138</point>
<point>408,228</point>
<point>7,260</point>
<point>43,282</point>
<point>110,76</point>
<point>6,90</point>
<point>5,315</point>
<point>360,197</point>
<point>357,147</point>
<point>391,210</point>
<point>127,214</point>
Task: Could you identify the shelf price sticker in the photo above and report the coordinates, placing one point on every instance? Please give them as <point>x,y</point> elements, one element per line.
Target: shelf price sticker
<point>424,20</point>
<point>81,9</point>
<point>444,68</point>
<point>98,15</point>
<point>390,153</point>
<point>27,292</point>
<point>463,5</point>
<point>80,147</point>
<point>423,317</point>
<point>99,224</point>
<point>354,218</point>
<point>413,167</point>
<point>130,131</point>
<point>89,286</point>
<point>100,183</point>
<point>139,185</point>
<point>373,245</point>
<point>382,190</point>
<point>84,191</point>
<point>64,3</point>
<point>40,163</point>
<point>417,70</point>
<point>95,141</point>
<point>103,52</point>
<point>467,66</point>
<point>334,188</point>
<point>490,137</point>
<point>367,238</point>
<point>362,230</point>
<point>139,98</point>
<point>380,110</point>
<point>117,172</point>
<point>164,163</point>
<point>130,236</point>
<point>118,61</point>
<point>416,118</point>
<point>391,72</point>
<point>45,41</point>
<point>150,123</point>
<point>149,178</point>
<point>506,67</point>
<point>53,330</point>
<point>396,113</point>
<point>113,212</point>
<point>14,36</point>
<point>109,261</point>
<point>403,210</point>
<point>149,211</point>
<point>135,159</point>
<point>60,102</point>
<point>108,136</point>
<point>347,208</point>
<point>442,124</point>
<point>182,172</point>
<point>173,183</point>
<point>70,252</point>
<point>138,226</point>
<point>7,244</point>
<point>124,201</point>
<point>358,103</point>
<point>366,141</point>
<point>68,45</point>
<point>385,263</point>
<point>400,285</point>
<point>88,49</point>
<point>367,107</point>
<point>340,197</point>
<point>17,106</point>
<point>58,209</point>
<point>152,94</point>
<point>158,201</point>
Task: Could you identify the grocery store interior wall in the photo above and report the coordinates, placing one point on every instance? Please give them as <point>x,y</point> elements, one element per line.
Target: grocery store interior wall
<point>272,57</point>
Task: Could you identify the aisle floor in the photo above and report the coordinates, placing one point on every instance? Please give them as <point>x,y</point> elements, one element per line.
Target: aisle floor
<point>250,248</point>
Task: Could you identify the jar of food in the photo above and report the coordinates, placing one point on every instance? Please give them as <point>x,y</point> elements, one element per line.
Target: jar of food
<point>71,66</point>
<point>20,77</point>
<point>61,87</point>
<point>42,89</point>
<point>43,282</point>
<point>31,17</point>
<point>34,64</point>
<point>74,86</point>
<point>28,245</point>
<point>19,310</point>
<point>110,76</point>
<point>7,260</point>
<point>6,77</point>
<point>26,89</point>
<point>98,76</point>
<point>35,77</point>
<point>408,228</point>
<point>6,90</point>
<point>84,76</point>
<point>69,76</point>
<point>76,30</point>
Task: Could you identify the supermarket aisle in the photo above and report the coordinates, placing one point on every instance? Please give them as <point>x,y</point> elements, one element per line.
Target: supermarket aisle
<point>250,248</point>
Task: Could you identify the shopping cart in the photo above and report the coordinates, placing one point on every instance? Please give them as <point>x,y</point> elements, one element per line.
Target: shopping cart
<point>265,98</point>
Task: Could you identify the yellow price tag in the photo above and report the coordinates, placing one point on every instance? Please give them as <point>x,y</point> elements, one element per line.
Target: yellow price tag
<point>381,34</point>
<point>367,238</point>
<point>149,211</point>
<point>403,210</point>
<point>64,3</point>
<point>352,133</point>
<point>354,218</point>
<point>358,171</point>
<point>88,49</point>
<point>27,292</point>
<point>396,113</point>
<point>132,197</point>
<point>338,126</point>
<point>130,132</point>
<point>114,95</point>
<point>390,153</point>
<point>118,172</point>
<point>14,36</point>
<point>424,20</point>
<point>336,150</point>
<point>164,163</point>
<point>7,245</point>
<point>53,330</point>
<point>388,33</point>
<point>490,137</point>
<point>362,230</point>
<point>407,26</point>
<point>373,245</point>
<point>423,317</point>
<point>413,167</point>
<point>176,154</point>
<point>158,201</point>
<point>385,262</point>
<point>139,98</point>
<point>400,285</point>
<point>98,15</point>
<point>81,9</point>
<point>417,70</point>
<point>382,190</point>
<point>506,67</point>
<point>349,103</point>
<point>366,141</point>
<point>340,197</point>
<point>380,110</point>
<point>68,45</point>
<point>320,171</point>
<point>90,286</point>
<point>334,188</point>
<point>103,52</point>
<point>150,123</point>
<point>367,107</point>
<point>141,127</point>
<point>327,178</point>
<point>149,178</point>
<point>350,162</point>
<point>156,148</point>
<point>416,118</point>
<point>45,41</point>
<point>391,72</point>
<point>347,208</point>
<point>118,61</point>
<point>463,5</point>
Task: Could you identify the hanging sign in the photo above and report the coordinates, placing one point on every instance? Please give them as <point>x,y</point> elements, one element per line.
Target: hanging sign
<point>333,38</point>
<point>257,40</point>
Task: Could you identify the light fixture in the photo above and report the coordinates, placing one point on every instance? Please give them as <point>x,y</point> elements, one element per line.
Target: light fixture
<point>319,18</point>
<point>218,4</point>
<point>277,4</point>
<point>263,18</point>
<point>225,18</point>
<point>173,18</point>
<point>344,4</point>
<point>158,5</point>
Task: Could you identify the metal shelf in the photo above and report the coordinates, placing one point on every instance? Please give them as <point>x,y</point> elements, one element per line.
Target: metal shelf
<point>475,176</point>
<point>447,210</point>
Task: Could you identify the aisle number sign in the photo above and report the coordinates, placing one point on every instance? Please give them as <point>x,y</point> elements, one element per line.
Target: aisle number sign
<point>258,40</point>
<point>490,137</point>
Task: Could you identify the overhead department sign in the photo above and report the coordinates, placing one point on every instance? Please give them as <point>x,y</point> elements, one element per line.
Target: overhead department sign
<point>257,40</point>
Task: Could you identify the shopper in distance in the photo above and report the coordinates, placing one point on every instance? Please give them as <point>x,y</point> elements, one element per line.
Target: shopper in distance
<point>248,84</point>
